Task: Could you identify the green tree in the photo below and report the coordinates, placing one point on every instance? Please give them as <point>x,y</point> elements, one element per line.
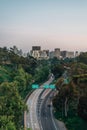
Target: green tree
<point>23,80</point>
<point>12,104</point>
<point>6,123</point>
<point>67,96</point>
<point>41,74</point>
<point>10,126</point>
<point>82,107</point>
<point>57,70</point>
<point>83,57</point>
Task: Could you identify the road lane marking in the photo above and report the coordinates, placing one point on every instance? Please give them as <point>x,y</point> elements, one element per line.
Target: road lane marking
<point>52,117</point>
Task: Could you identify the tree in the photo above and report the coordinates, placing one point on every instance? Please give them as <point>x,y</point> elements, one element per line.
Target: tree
<point>59,83</point>
<point>82,107</point>
<point>67,95</point>
<point>12,104</point>
<point>41,74</point>
<point>6,123</point>
<point>83,57</point>
<point>10,126</point>
<point>57,70</point>
<point>23,81</point>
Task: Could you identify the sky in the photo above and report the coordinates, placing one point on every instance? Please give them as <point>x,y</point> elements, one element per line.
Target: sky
<point>48,23</point>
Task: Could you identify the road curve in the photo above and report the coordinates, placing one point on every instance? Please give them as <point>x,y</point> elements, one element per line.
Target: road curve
<point>47,120</point>
<point>31,117</point>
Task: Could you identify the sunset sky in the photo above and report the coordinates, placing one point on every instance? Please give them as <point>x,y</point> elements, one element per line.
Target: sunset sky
<point>48,23</point>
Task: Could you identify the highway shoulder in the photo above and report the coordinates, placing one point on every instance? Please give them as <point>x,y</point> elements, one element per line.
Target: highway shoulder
<point>60,125</point>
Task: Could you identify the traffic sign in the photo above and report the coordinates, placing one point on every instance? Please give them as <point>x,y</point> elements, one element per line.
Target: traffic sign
<point>35,86</point>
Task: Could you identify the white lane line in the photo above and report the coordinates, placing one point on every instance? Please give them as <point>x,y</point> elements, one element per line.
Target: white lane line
<point>45,93</point>
<point>32,106</point>
<point>52,117</point>
<point>33,112</point>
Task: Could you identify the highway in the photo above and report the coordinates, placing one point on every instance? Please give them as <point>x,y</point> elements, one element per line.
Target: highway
<point>31,115</point>
<point>47,120</point>
<point>31,119</point>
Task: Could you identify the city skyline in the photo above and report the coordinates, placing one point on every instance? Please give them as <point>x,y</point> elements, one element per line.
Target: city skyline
<point>49,24</point>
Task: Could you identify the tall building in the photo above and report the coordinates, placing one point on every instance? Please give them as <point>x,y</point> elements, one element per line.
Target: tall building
<point>36,48</point>
<point>57,53</point>
<point>63,54</point>
<point>70,54</point>
<point>76,54</point>
<point>35,52</point>
<point>39,54</point>
<point>67,54</point>
<point>51,55</point>
<point>44,54</point>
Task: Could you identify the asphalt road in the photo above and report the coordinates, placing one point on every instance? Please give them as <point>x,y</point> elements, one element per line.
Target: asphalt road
<point>31,117</point>
<point>31,120</point>
<point>40,111</point>
<point>47,120</point>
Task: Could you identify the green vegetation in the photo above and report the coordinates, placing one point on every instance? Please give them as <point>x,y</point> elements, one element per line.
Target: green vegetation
<point>17,74</point>
<point>70,104</point>
<point>83,58</point>
<point>73,122</point>
<point>41,74</point>
<point>57,68</point>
